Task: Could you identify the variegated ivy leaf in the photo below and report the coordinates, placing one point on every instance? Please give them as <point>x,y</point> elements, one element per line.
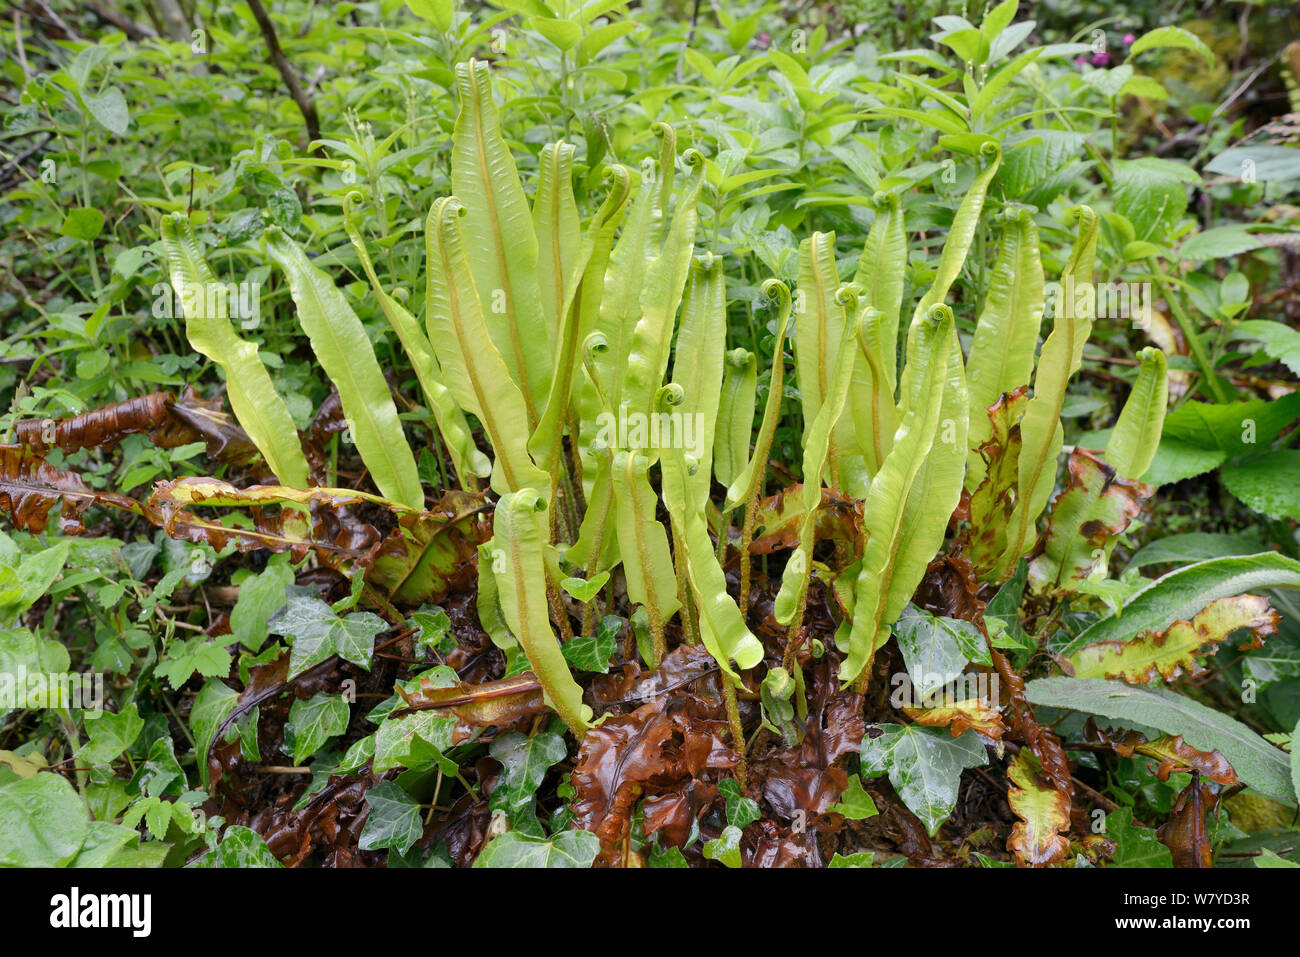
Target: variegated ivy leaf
<point>937,649</point>
<point>524,762</point>
<point>315,632</point>
<point>313,722</point>
<point>394,820</point>
<point>924,766</point>
<point>566,849</point>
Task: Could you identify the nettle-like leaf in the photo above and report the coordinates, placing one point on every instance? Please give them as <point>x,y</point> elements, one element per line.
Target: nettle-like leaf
<point>1174,652</point>
<point>1038,838</point>
<point>924,766</point>
<point>1258,763</point>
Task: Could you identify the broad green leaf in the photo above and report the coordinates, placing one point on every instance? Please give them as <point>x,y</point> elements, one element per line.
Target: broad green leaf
<point>1181,594</point>
<point>1171,37</point>
<point>212,706</point>
<point>524,763</point>
<point>340,343</point>
<point>42,822</point>
<point>1268,484</point>
<point>819,336</point>
<point>1135,846</point>
<point>1258,763</point>
<point>643,542</point>
<point>558,231</point>
<point>855,803</point>
<point>414,741</point>
<point>253,398</point>
<point>33,579</point>
<point>924,766</point>
<point>260,597</point>
<point>1278,340</point>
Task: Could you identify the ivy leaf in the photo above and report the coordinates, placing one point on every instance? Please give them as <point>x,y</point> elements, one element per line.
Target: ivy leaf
<point>110,735</point>
<point>1135,846</point>
<point>924,766</point>
<point>525,762</point>
<point>936,649</point>
<point>414,741</point>
<point>855,803</point>
<point>213,704</point>
<point>566,849</point>
<point>394,820</point>
<point>313,722</point>
<point>316,632</point>
<point>725,848</point>
<point>593,654</point>
<point>240,847</point>
<point>435,628</point>
<point>741,811</point>
<point>260,597</point>
<point>860,859</point>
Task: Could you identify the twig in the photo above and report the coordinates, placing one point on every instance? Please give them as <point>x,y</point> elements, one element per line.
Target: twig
<point>285,69</point>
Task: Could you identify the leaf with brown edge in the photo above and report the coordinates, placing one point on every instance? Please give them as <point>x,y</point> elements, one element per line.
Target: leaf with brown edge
<point>169,422</point>
<point>1174,754</point>
<point>1186,833</point>
<point>1095,507</point>
<point>994,499</point>
<point>430,553</point>
<point>656,749</point>
<point>30,487</point>
<point>498,703</point>
<point>777,521</point>
<point>1037,838</point>
<point>957,716</point>
<point>1174,652</point>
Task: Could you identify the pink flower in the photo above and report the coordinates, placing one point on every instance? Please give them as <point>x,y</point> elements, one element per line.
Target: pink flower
<point>1100,59</point>
<point>1128,39</point>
